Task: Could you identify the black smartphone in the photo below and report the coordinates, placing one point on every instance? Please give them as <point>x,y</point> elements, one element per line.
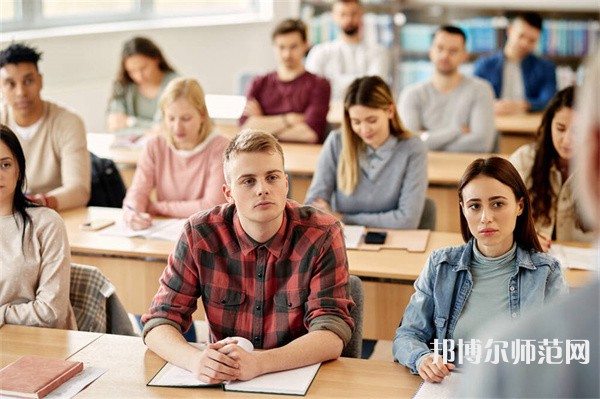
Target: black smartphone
<point>375,237</point>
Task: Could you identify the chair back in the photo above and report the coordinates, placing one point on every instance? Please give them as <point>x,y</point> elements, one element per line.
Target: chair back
<point>95,303</point>
<point>354,347</point>
<point>428,217</point>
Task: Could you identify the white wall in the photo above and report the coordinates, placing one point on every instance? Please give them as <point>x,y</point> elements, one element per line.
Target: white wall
<point>78,70</point>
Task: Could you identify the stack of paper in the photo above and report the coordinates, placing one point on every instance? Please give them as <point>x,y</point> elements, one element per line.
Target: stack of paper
<point>575,257</point>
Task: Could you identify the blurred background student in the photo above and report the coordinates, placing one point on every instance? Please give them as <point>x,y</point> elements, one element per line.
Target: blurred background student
<point>500,273</point>
<point>143,74</point>
<point>544,166</point>
<point>36,257</point>
<point>184,164</point>
<point>373,172</point>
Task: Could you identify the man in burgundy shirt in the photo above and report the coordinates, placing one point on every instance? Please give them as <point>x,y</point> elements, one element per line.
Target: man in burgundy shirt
<point>267,269</point>
<point>290,103</point>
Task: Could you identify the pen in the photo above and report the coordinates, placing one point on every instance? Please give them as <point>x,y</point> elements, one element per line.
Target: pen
<point>137,213</point>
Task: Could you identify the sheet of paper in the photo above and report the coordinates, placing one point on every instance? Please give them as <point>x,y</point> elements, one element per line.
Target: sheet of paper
<point>443,390</point>
<point>575,257</point>
<point>76,384</point>
<point>168,231</point>
<point>353,235</point>
<point>161,229</point>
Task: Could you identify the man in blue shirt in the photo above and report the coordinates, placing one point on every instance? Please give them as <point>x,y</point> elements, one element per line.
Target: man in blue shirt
<point>522,81</point>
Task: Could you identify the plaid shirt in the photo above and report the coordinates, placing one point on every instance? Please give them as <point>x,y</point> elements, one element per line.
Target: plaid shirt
<point>269,293</point>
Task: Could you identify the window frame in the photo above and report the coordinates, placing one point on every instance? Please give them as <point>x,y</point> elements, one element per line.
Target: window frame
<point>29,19</point>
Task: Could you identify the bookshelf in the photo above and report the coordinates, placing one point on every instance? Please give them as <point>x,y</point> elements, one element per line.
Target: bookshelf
<point>571,29</point>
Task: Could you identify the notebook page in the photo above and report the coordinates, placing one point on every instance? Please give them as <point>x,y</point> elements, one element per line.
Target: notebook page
<point>443,390</point>
<point>289,382</point>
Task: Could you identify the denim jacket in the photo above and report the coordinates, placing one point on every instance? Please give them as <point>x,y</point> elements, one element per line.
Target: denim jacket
<point>445,284</point>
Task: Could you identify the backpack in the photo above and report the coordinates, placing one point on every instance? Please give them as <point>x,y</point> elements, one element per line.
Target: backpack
<point>108,188</point>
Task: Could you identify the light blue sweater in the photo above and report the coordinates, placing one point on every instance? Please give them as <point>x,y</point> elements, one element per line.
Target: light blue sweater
<point>390,192</point>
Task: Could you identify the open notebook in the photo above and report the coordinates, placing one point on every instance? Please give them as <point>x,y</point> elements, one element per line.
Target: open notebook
<point>288,382</point>
<point>161,229</point>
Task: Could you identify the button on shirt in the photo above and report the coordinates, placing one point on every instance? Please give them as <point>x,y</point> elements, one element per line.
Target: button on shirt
<point>270,293</point>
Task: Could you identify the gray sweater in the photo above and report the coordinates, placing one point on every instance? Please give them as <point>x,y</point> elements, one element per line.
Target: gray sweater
<point>442,117</point>
<point>390,192</point>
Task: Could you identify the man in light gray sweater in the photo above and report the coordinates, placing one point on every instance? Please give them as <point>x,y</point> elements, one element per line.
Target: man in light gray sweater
<point>451,112</point>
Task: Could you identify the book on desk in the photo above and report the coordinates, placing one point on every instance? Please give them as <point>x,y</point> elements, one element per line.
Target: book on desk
<point>36,377</point>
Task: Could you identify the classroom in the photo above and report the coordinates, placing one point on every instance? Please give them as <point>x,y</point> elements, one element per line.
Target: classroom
<point>327,198</point>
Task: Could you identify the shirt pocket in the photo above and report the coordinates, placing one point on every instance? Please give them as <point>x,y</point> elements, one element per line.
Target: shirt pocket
<point>224,308</point>
<point>290,301</point>
<point>224,297</point>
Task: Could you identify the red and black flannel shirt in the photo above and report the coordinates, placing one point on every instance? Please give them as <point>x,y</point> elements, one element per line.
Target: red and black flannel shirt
<point>269,293</point>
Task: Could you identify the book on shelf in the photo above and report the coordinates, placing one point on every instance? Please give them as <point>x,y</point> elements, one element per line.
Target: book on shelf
<point>287,382</point>
<point>36,377</point>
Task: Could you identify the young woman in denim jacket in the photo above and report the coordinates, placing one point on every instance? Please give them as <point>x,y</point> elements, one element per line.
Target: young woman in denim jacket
<point>501,271</point>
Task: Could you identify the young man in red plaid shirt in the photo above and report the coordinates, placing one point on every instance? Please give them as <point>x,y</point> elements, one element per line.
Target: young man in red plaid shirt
<point>267,269</point>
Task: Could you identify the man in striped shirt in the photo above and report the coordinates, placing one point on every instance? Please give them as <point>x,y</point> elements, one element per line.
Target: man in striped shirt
<point>266,268</point>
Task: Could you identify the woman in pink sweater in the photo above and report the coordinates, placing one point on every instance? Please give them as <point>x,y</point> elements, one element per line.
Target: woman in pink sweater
<point>184,165</point>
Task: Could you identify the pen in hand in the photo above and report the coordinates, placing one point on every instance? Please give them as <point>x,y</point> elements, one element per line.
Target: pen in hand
<point>139,221</point>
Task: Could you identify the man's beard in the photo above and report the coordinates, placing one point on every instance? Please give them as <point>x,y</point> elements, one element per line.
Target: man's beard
<point>351,30</point>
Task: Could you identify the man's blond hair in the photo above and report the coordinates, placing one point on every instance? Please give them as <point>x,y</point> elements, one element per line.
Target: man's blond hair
<point>250,140</point>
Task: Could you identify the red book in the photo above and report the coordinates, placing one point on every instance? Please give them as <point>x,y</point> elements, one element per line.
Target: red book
<point>36,377</point>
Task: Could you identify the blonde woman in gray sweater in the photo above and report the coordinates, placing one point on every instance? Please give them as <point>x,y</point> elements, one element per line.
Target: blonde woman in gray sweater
<point>34,283</point>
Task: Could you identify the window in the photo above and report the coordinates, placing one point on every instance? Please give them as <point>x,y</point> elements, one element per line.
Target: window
<point>18,15</point>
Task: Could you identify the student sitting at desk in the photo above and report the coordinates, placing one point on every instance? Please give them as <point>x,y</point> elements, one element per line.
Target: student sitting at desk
<point>291,103</point>
<point>544,166</point>
<point>36,258</point>
<point>183,165</point>
<point>52,137</point>
<point>501,271</point>
<point>267,269</point>
<point>374,172</point>
<point>452,111</point>
<point>143,74</point>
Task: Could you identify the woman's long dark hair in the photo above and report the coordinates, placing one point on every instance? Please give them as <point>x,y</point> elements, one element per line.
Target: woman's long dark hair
<point>542,195</point>
<point>20,201</point>
<point>503,171</point>
<point>138,46</point>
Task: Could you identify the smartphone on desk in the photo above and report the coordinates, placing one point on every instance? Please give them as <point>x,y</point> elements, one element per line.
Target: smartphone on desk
<point>375,237</point>
<point>96,224</point>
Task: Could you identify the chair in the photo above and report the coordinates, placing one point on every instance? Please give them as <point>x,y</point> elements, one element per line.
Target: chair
<point>354,347</point>
<point>95,303</point>
<point>428,217</point>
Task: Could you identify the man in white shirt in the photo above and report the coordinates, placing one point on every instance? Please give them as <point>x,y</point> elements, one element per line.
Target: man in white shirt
<point>452,112</point>
<point>349,57</point>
